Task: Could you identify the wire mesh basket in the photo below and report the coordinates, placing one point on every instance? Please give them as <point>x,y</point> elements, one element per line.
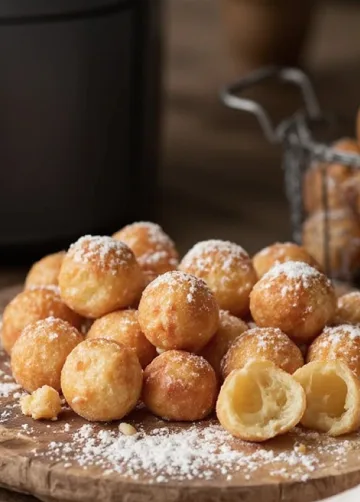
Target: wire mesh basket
<point>322,180</point>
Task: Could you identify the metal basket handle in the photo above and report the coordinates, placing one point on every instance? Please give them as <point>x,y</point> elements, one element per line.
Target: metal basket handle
<point>229,96</point>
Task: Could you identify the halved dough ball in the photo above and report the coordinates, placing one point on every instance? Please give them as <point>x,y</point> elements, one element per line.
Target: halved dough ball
<point>228,271</point>
<point>263,344</point>
<point>295,298</point>
<point>348,308</point>
<point>229,329</point>
<point>338,343</point>
<point>152,247</point>
<point>179,386</point>
<point>259,402</point>
<point>45,272</point>
<point>332,395</point>
<point>40,352</point>
<point>178,311</point>
<point>30,306</point>
<point>99,275</point>
<point>281,252</point>
<point>43,403</point>
<point>123,327</point>
<point>101,380</point>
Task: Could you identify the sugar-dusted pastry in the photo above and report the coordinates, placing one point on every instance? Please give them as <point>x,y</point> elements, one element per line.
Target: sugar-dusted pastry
<point>260,344</point>
<point>153,248</point>
<point>348,308</point>
<point>294,297</point>
<point>179,386</point>
<point>40,352</point>
<point>178,311</point>
<point>123,327</point>
<point>229,329</point>
<point>43,403</point>
<point>332,397</point>
<point>259,402</point>
<point>343,241</point>
<point>338,343</point>
<point>32,305</point>
<point>350,190</point>
<point>228,271</point>
<point>280,252</point>
<point>45,272</point>
<point>101,380</point>
<point>99,275</point>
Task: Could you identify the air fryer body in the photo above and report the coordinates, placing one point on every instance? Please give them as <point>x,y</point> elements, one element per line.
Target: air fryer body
<point>79,98</point>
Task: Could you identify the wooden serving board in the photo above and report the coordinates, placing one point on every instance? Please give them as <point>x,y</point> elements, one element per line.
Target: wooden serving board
<point>272,472</point>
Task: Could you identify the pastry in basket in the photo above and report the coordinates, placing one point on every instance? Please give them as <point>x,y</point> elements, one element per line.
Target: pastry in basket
<point>123,327</point>
<point>259,402</point>
<point>228,271</point>
<point>338,343</point>
<point>350,190</point>
<point>43,403</point>
<point>332,397</point>
<point>280,252</point>
<point>33,305</point>
<point>101,380</point>
<point>99,275</point>
<point>269,344</point>
<point>178,311</point>
<point>229,329</point>
<point>39,354</point>
<point>348,308</point>
<point>152,247</point>
<point>45,272</point>
<point>294,297</point>
<point>180,386</point>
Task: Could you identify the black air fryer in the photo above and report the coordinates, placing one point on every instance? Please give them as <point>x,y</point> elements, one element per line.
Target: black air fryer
<point>79,103</point>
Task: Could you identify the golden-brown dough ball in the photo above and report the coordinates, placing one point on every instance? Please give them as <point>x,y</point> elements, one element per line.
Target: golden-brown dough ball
<point>152,247</point>
<point>43,403</point>
<point>178,311</point>
<point>99,275</point>
<point>350,190</point>
<point>45,272</point>
<point>123,327</point>
<point>228,271</point>
<point>294,297</point>
<point>263,344</point>
<point>343,243</point>
<point>229,329</point>
<point>33,305</point>
<point>180,386</point>
<point>39,353</point>
<point>280,252</point>
<point>338,343</point>
<point>348,308</point>
<point>101,380</point>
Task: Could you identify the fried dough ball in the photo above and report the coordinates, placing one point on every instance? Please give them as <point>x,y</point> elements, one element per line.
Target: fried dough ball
<point>39,353</point>
<point>179,386</point>
<point>348,308</point>
<point>350,190</point>
<point>152,247</point>
<point>269,344</point>
<point>43,403</point>
<point>259,402</point>
<point>332,396</point>
<point>281,252</point>
<point>33,305</point>
<point>228,271</point>
<point>101,380</point>
<point>295,298</point>
<point>229,329</point>
<point>99,275</point>
<point>344,240</point>
<point>178,311</point>
<point>338,343</point>
<point>45,272</point>
<point>123,327</point>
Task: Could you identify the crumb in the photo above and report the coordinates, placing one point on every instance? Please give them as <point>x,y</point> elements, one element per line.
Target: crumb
<point>42,403</point>
<point>300,448</point>
<point>127,429</point>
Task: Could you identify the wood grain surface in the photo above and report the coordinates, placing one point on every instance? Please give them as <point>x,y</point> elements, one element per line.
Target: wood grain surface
<point>23,470</point>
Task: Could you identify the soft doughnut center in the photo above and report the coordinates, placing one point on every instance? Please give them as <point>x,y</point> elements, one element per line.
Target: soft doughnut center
<point>326,393</point>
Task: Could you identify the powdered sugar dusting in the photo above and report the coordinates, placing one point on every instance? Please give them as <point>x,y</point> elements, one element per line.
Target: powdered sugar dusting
<point>176,280</point>
<point>347,331</point>
<point>294,271</point>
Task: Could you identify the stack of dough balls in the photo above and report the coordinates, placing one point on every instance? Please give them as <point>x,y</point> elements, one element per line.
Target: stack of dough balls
<point>181,340</point>
<point>343,211</point>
